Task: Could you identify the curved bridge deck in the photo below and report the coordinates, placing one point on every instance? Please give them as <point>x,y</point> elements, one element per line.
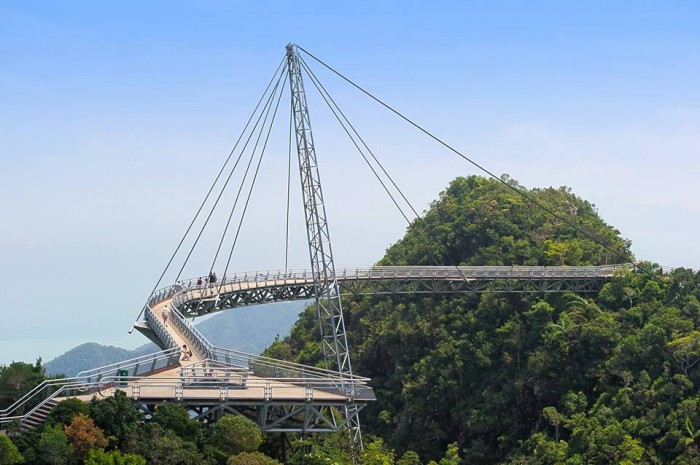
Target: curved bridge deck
<point>274,286</point>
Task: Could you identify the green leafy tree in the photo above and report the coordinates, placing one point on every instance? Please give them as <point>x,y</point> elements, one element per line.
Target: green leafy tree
<point>451,455</point>
<point>9,454</point>
<point>234,434</point>
<point>53,447</point>
<point>176,419</point>
<point>251,458</point>
<point>686,351</point>
<point>117,417</point>
<point>332,448</point>
<point>162,447</point>
<point>65,410</point>
<point>18,378</point>
<point>115,457</point>
<point>409,458</point>
<point>376,453</point>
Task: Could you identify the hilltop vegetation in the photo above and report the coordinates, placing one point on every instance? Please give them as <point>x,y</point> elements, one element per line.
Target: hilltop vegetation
<point>478,221</point>
<point>511,379</point>
<point>526,379</point>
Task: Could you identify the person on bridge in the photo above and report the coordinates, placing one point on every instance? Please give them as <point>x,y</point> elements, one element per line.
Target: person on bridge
<point>212,277</point>
<point>186,353</point>
<point>199,281</point>
<point>166,314</point>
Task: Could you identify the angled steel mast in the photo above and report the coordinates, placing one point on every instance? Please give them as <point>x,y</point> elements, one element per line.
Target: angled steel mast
<point>330,312</point>
<point>328,306</point>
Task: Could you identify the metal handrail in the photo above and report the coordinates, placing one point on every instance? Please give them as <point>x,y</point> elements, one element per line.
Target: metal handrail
<point>257,363</point>
<point>294,276</point>
<point>200,343</point>
<point>159,329</point>
<point>135,366</point>
<point>274,368</point>
<point>357,389</point>
<point>148,363</point>
<point>73,385</point>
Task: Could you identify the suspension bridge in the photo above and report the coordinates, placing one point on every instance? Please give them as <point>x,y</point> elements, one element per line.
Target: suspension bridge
<point>279,396</point>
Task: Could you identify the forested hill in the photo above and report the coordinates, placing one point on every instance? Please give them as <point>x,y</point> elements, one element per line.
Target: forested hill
<point>526,379</point>
<point>479,221</point>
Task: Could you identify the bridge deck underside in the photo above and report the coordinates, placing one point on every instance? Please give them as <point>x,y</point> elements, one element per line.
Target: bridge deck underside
<point>200,301</point>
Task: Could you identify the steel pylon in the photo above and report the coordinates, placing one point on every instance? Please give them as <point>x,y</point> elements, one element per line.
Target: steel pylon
<point>328,305</point>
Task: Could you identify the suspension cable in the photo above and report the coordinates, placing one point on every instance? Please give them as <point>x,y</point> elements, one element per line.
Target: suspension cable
<point>252,184</point>
<point>218,199</point>
<point>211,188</point>
<point>324,93</point>
<point>336,111</point>
<point>268,107</point>
<point>289,186</point>
<point>477,165</point>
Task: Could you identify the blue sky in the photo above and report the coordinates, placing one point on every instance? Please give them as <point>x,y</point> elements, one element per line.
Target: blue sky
<point>115,117</point>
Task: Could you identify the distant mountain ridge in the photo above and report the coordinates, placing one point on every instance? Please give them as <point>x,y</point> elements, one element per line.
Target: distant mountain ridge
<point>247,329</point>
<point>86,356</point>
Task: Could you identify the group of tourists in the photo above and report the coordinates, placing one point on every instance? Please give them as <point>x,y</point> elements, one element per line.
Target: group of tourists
<point>211,279</point>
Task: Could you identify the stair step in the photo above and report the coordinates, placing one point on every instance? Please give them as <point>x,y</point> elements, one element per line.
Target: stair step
<point>39,416</point>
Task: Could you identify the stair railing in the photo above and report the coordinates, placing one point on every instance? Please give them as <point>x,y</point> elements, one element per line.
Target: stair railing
<point>87,380</point>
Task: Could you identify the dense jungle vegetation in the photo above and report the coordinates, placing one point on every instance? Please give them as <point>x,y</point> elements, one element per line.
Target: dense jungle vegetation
<point>610,378</point>
<point>493,378</point>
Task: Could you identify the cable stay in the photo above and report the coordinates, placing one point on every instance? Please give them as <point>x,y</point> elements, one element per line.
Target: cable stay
<point>265,97</point>
<point>481,168</point>
<point>357,140</point>
<point>255,176</point>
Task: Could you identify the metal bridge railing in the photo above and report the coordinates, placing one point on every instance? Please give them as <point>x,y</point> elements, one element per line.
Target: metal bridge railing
<point>350,386</point>
<point>272,368</point>
<point>262,366</point>
<point>159,329</point>
<point>282,388</point>
<point>179,292</point>
<point>133,367</point>
<point>85,381</point>
<point>198,342</point>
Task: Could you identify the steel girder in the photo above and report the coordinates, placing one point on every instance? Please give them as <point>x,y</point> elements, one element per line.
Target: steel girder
<point>271,416</point>
<point>194,304</point>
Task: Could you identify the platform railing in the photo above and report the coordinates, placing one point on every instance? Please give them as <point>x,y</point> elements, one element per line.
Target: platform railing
<point>85,380</point>
<point>272,368</point>
<point>264,366</point>
<point>137,366</point>
<point>272,388</point>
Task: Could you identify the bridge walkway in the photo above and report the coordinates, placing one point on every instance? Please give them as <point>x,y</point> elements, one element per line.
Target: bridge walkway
<point>173,384</point>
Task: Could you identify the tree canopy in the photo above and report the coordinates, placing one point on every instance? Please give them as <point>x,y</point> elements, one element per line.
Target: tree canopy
<point>525,378</point>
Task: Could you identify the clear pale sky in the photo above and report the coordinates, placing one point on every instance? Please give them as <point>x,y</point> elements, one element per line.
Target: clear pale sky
<point>115,116</point>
